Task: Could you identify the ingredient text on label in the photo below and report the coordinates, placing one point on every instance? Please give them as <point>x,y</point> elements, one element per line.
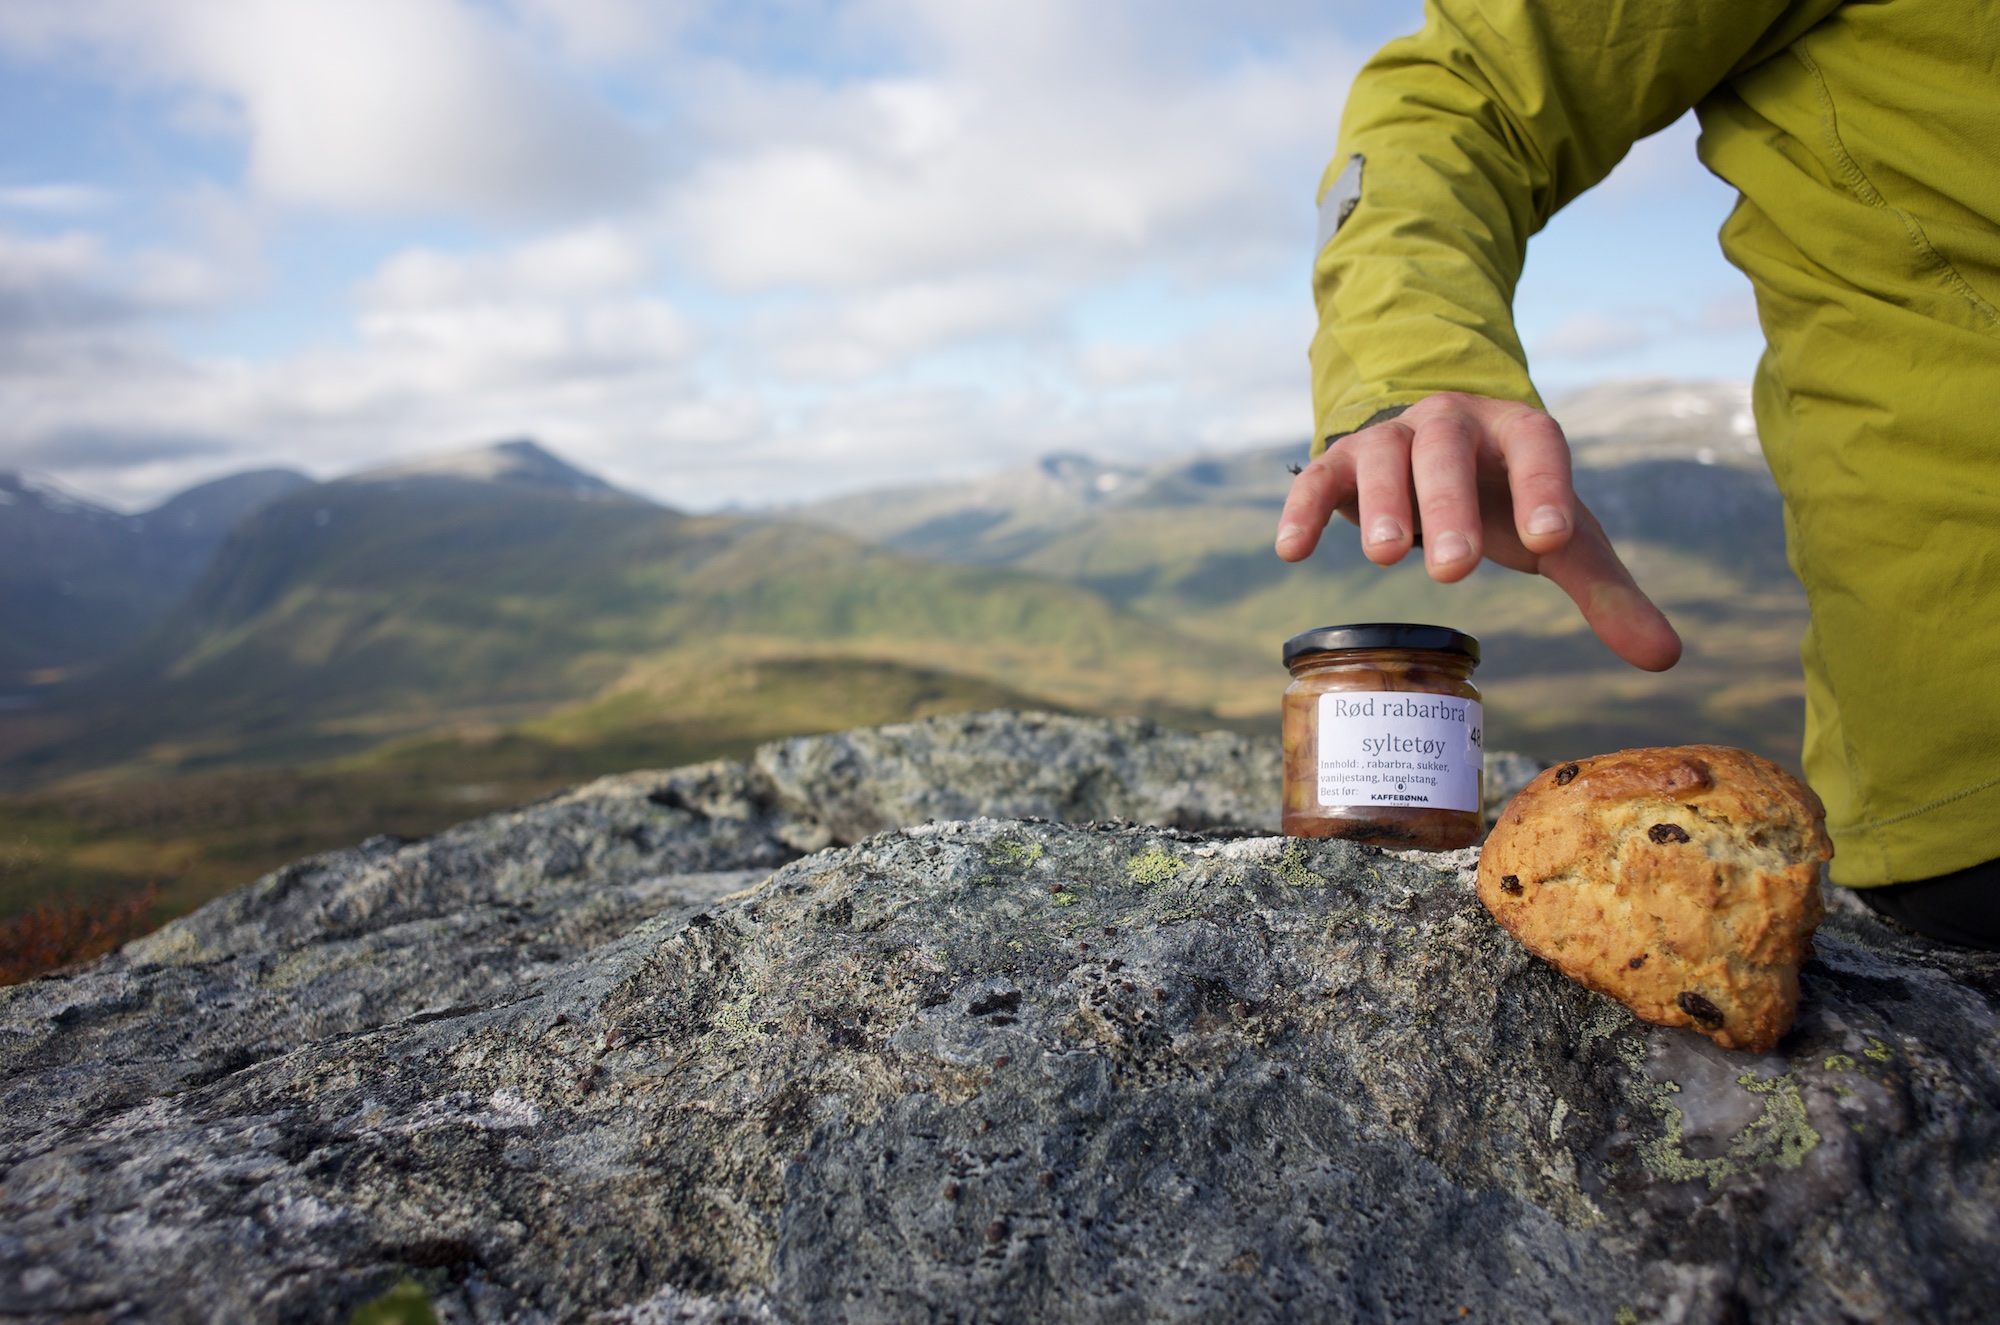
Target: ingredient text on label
<point>1399,748</point>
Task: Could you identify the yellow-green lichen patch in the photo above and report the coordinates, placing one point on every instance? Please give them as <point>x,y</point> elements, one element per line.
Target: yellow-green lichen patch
<point>1781,1135</point>
<point>1839,1063</point>
<point>733,1026</point>
<point>1292,868</point>
<point>1605,1020</point>
<point>1878,1051</point>
<point>1153,868</point>
<point>405,1304</point>
<point>1784,1135</point>
<point>1016,855</point>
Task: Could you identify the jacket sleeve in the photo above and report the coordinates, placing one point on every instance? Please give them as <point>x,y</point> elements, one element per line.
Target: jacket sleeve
<point>1462,141</point>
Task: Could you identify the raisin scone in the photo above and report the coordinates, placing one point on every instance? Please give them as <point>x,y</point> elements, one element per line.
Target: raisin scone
<point>1682,881</point>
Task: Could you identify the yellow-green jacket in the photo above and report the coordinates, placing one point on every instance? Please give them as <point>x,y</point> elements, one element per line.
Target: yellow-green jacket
<point>1864,139</point>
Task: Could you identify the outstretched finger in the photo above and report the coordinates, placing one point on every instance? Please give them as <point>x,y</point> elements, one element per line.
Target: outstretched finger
<point>1322,487</point>
<point>1382,491</point>
<point>1589,571</point>
<point>1444,465</point>
<point>1538,475</point>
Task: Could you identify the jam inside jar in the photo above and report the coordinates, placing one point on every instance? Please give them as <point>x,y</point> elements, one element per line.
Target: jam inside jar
<point>1383,736</point>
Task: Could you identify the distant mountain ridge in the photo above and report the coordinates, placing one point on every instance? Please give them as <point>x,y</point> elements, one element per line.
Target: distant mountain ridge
<point>1005,518</point>
<point>1674,485</point>
<point>521,463</point>
<point>1616,423</point>
<point>78,582</point>
<point>503,585</point>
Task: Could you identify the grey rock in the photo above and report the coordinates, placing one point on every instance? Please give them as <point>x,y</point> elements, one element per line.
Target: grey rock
<point>844,787</point>
<point>563,1065</point>
<point>1024,766</point>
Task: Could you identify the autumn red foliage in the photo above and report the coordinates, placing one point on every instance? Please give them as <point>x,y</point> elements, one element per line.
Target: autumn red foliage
<point>52,936</point>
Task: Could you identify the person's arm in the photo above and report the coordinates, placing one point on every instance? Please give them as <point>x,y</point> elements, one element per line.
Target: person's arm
<point>1457,145</point>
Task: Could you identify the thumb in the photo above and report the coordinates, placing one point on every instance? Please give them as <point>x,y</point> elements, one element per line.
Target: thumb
<point>1617,609</point>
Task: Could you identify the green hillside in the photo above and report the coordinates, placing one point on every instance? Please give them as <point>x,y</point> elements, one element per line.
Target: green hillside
<point>79,582</point>
<point>360,612</point>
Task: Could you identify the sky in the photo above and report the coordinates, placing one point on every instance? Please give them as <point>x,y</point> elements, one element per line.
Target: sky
<point>728,254</point>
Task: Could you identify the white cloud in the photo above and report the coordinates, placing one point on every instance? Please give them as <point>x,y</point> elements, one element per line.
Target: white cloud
<point>57,199</point>
<point>1042,133</point>
<point>540,337</point>
<point>1236,380</point>
<point>1737,312</point>
<point>864,259</point>
<point>28,263</point>
<point>62,292</point>
<point>549,333</point>
<point>589,260</point>
<point>366,105</point>
<point>607,31</point>
<point>850,337</point>
<point>704,425</point>
<point>1593,336</point>
<point>410,104</point>
<point>562,309</point>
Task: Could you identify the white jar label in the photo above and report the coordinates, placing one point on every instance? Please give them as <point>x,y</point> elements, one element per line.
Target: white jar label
<point>1399,747</point>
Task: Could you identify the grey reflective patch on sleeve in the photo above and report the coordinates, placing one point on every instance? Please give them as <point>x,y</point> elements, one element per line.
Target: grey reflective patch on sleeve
<point>1341,197</point>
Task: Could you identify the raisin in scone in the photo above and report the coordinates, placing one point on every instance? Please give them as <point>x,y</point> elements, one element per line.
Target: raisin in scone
<point>1683,882</point>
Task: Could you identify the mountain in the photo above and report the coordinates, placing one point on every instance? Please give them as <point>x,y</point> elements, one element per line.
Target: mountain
<point>499,585</point>
<point>995,519</point>
<point>519,463</point>
<point>78,582</point>
<point>1619,422</point>
<point>1662,462</point>
<point>1190,541</point>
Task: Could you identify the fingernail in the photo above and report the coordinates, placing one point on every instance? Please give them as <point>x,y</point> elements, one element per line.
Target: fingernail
<point>1449,548</point>
<point>1291,533</point>
<point>1385,530</point>
<point>1547,520</point>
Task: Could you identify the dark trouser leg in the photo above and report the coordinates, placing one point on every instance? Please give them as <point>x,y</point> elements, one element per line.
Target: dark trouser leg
<point>1961,908</point>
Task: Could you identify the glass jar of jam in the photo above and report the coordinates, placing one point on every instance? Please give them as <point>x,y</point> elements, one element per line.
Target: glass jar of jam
<point>1383,739</point>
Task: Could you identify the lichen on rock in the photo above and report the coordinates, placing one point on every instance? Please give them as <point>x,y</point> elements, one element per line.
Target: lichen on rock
<point>628,1055</point>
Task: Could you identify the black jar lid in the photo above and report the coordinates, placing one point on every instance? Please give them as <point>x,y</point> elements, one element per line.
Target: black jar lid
<point>1381,635</point>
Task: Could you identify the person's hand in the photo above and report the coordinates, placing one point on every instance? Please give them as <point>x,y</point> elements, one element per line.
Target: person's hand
<point>1488,477</point>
